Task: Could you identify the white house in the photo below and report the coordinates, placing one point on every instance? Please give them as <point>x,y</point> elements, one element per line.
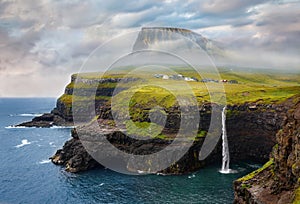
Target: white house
<point>189,79</point>
<point>165,77</point>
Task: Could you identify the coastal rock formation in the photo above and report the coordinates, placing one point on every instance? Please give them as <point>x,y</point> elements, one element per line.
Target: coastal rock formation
<point>76,156</point>
<point>47,120</point>
<point>278,180</point>
<point>251,135</point>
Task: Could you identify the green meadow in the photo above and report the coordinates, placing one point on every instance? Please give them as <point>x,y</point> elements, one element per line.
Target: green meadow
<point>251,86</point>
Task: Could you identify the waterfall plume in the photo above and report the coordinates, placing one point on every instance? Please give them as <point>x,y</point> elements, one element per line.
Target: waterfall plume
<point>225,149</point>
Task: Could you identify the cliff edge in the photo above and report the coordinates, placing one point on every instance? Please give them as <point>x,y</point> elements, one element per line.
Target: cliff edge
<point>278,181</point>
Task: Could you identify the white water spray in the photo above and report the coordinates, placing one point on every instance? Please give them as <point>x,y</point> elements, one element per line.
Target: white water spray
<point>225,149</point>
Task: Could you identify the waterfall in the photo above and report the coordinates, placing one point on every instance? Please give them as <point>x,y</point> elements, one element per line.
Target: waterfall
<point>225,149</point>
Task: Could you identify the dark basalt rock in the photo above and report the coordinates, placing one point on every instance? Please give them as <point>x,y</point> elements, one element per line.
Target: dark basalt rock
<point>251,136</point>
<point>47,120</point>
<point>278,183</point>
<point>74,157</point>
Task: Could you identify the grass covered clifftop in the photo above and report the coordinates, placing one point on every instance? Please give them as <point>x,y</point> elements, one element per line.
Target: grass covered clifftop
<point>240,87</point>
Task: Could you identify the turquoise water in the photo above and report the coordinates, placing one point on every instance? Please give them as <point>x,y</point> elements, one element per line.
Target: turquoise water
<point>27,176</point>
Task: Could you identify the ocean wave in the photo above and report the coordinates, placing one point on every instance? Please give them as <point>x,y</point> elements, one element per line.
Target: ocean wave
<point>61,127</point>
<point>18,127</point>
<point>27,114</point>
<point>141,172</point>
<point>161,174</point>
<point>52,144</point>
<point>24,127</point>
<point>45,161</point>
<point>23,143</point>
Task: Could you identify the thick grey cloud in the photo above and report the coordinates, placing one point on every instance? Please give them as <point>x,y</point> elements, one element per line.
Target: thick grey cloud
<point>43,40</point>
<point>228,7</point>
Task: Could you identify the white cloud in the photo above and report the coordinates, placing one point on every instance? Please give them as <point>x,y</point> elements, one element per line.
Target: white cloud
<point>43,39</point>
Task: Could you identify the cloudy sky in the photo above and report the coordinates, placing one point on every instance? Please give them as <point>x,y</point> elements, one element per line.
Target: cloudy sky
<point>42,42</point>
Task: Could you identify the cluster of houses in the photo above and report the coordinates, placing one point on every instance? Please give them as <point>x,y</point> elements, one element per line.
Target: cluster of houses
<point>181,77</point>
<point>223,81</point>
<point>175,77</point>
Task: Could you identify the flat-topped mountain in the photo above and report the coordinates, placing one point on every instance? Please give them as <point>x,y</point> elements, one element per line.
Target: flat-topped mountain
<point>150,36</point>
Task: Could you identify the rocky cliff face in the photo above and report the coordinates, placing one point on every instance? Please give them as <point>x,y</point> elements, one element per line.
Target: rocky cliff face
<point>251,135</point>
<point>279,180</point>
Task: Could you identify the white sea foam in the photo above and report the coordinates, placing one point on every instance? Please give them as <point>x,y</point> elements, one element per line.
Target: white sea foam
<point>27,114</point>
<point>192,176</point>
<point>52,144</point>
<point>45,161</point>
<point>30,114</point>
<point>18,127</point>
<point>228,171</point>
<point>24,127</point>
<point>61,127</point>
<point>24,142</point>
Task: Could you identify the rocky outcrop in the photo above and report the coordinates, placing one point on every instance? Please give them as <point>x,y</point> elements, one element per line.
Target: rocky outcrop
<point>97,89</point>
<point>278,181</point>
<point>74,157</point>
<point>73,150</point>
<point>47,120</point>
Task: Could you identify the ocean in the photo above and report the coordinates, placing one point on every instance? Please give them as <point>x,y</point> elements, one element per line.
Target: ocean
<point>28,176</point>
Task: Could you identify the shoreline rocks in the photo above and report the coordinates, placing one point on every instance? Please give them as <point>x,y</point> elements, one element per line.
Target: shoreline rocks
<point>46,120</point>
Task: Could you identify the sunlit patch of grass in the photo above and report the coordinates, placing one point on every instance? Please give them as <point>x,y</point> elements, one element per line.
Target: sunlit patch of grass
<point>68,99</point>
<point>297,196</point>
<point>90,86</point>
<point>254,173</point>
<point>143,129</point>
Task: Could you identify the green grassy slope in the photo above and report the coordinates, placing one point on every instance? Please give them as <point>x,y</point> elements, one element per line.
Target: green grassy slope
<point>251,87</point>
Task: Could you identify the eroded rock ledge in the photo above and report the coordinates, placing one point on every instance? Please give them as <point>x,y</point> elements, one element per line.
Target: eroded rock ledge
<point>279,180</point>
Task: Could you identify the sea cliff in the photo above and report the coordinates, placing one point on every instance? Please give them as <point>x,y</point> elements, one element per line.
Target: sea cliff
<point>278,180</point>
<point>251,128</point>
